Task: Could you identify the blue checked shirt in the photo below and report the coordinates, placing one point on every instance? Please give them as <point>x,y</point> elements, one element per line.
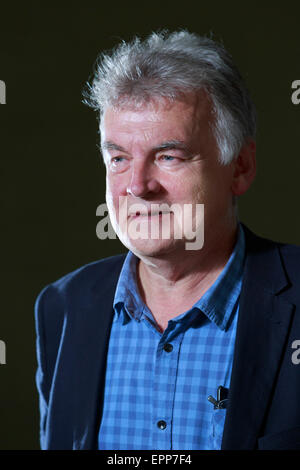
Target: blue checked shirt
<point>157,384</point>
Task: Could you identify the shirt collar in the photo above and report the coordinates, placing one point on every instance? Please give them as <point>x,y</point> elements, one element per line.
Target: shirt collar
<point>220,299</point>
<point>127,292</point>
<point>217,303</point>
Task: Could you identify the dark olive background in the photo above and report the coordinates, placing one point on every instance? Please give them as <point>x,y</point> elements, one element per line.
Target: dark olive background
<point>52,178</point>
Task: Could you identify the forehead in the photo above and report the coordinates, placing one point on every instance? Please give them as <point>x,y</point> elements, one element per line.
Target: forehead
<point>158,118</point>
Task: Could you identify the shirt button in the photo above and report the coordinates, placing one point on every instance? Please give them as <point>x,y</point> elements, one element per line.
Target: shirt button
<point>161,424</point>
<point>168,347</point>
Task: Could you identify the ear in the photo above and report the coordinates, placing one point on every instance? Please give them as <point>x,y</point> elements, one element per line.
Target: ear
<point>244,168</point>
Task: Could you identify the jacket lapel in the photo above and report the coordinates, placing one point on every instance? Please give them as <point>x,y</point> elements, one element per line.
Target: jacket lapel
<point>91,336</point>
<point>264,318</point>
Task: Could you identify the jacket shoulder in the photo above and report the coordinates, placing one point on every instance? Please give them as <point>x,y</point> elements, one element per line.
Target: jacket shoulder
<point>290,250</point>
<point>258,243</point>
<point>291,259</point>
<point>88,274</point>
<point>76,289</point>
<point>274,264</point>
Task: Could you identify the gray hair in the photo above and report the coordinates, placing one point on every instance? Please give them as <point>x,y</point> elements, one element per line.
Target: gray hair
<point>169,65</point>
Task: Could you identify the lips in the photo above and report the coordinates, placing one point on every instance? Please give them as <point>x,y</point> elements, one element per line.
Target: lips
<point>148,214</point>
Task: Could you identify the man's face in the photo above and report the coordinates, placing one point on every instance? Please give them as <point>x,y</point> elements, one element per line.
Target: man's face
<point>164,153</point>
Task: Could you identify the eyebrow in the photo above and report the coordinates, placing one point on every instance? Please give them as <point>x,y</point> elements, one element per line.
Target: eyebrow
<point>168,145</point>
<point>108,145</point>
<point>172,144</point>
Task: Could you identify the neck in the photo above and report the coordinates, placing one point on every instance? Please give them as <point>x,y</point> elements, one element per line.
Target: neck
<point>171,284</point>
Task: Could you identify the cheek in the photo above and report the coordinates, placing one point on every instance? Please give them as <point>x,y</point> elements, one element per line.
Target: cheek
<point>112,187</point>
<point>213,194</point>
<point>116,184</point>
<point>110,195</point>
<point>116,198</point>
<point>219,197</point>
<point>192,188</point>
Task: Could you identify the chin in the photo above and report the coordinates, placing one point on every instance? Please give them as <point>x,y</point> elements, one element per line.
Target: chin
<point>151,248</point>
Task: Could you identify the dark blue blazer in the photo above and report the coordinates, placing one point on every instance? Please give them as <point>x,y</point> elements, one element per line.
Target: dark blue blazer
<point>73,321</point>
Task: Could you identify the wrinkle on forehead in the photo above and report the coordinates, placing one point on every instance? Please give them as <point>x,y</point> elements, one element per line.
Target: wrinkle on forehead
<point>160,118</point>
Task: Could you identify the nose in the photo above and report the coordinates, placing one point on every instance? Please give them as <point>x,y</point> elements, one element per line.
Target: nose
<point>143,182</point>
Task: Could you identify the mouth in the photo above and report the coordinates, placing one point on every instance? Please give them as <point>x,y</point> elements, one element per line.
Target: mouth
<point>150,214</point>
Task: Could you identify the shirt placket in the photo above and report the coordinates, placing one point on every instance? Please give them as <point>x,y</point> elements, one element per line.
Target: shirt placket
<point>164,387</point>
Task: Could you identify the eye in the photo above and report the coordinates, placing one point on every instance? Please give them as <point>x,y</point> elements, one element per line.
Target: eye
<point>117,159</point>
<point>167,158</point>
<point>118,164</point>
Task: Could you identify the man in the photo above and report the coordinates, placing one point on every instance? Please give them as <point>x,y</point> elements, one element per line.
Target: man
<point>133,349</point>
